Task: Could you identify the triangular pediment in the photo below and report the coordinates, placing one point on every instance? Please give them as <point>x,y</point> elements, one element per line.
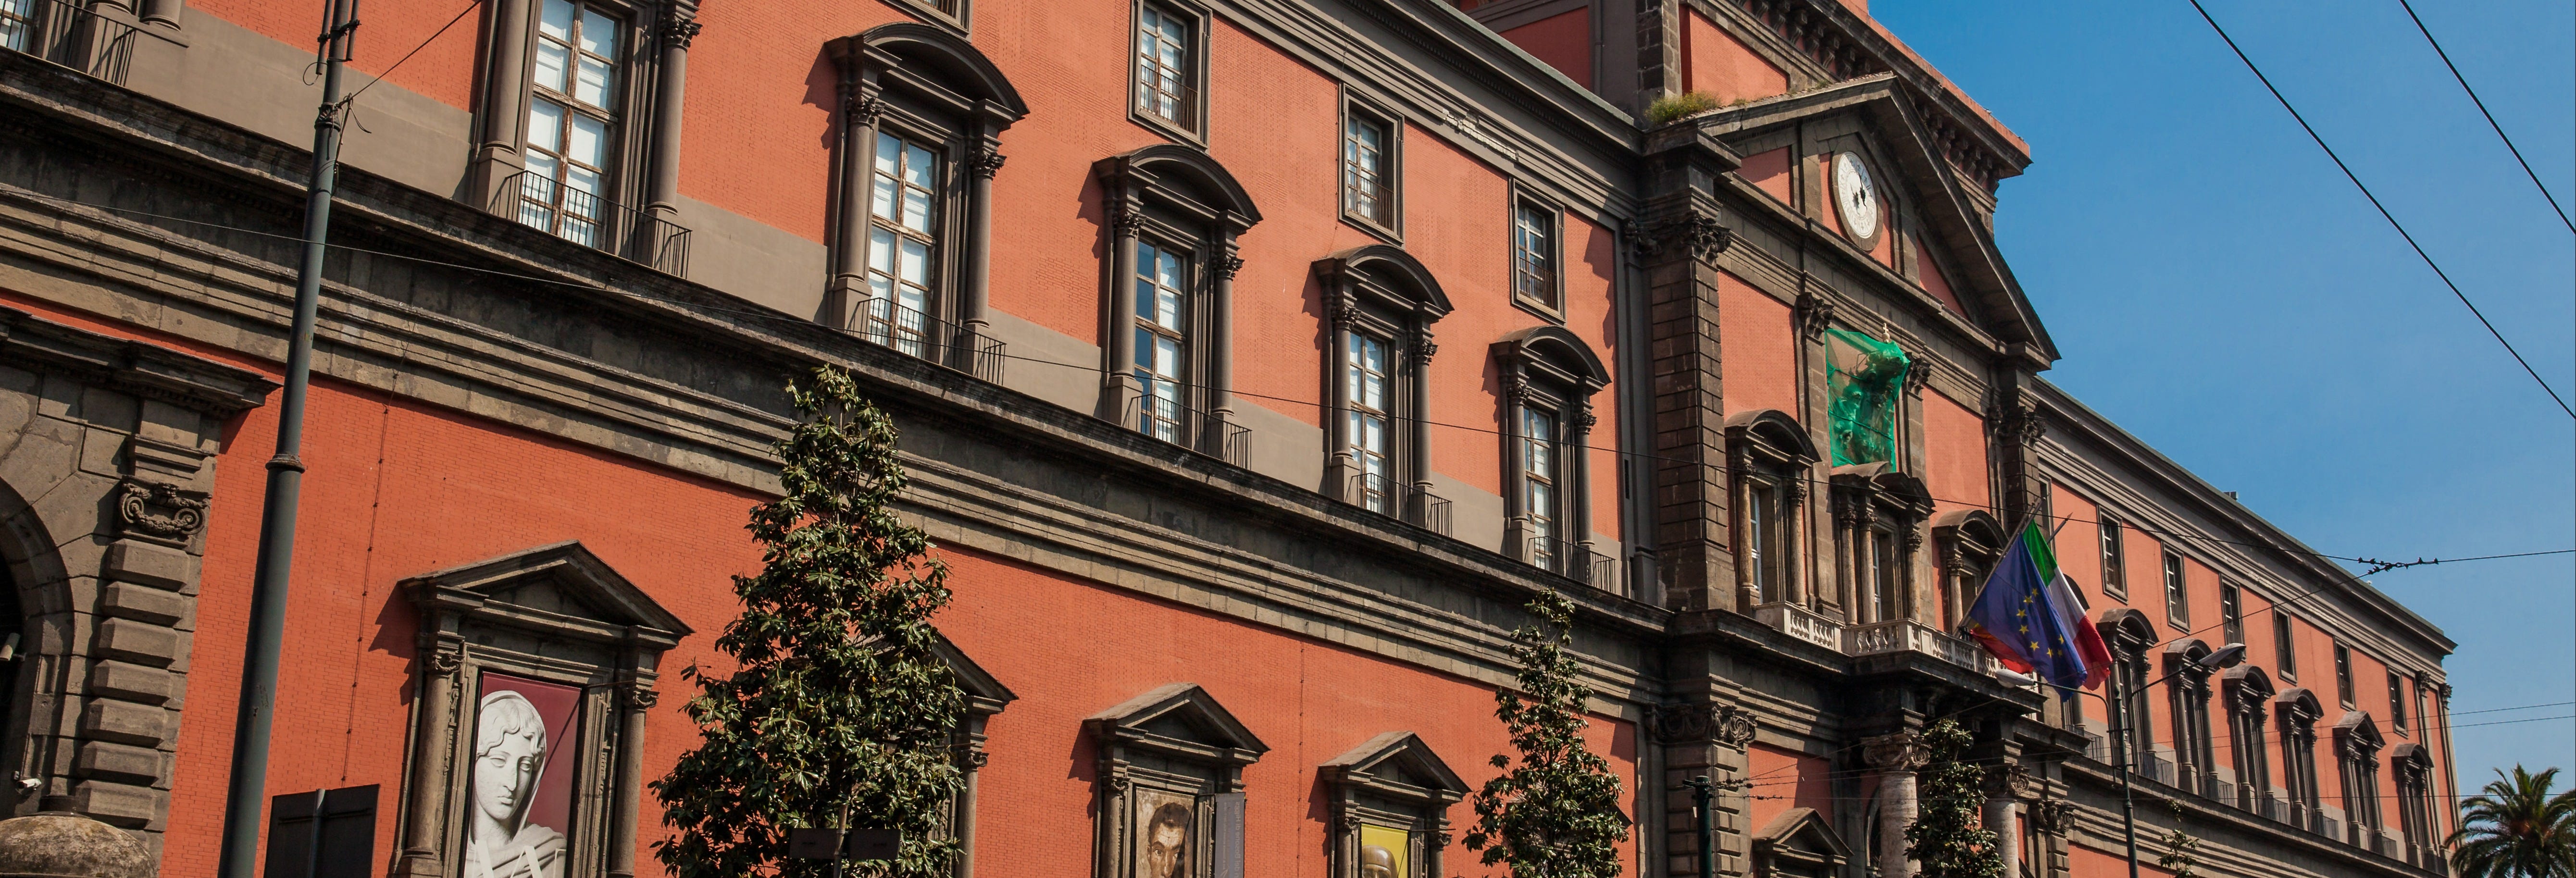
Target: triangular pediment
<point>984,693</point>
<point>1180,717</point>
<point>1905,159</point>
<point>1398,764</point>
<point>1804,835</point>
<point>561,588</point>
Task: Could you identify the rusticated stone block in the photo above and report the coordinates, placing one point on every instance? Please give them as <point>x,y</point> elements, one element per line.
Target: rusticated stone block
<point>125,722</point>
<point>132,683</point>
<point>154,565</point>
<point>118,762</point>
<point>142,643</point>
<point>116,804</point>
<point>126,600</point>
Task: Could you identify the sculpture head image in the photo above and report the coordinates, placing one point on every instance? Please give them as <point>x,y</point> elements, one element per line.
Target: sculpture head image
<point>509,754</point>
<point>1377,862</point>
<point>1165,843</point>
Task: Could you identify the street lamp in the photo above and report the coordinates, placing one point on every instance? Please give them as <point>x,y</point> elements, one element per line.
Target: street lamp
<point>2224,657</point>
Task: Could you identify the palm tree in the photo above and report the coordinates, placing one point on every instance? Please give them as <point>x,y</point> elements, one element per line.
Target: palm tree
<point>2517,829</point>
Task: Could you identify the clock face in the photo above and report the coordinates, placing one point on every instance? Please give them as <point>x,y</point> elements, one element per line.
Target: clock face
<point>1854,196</point>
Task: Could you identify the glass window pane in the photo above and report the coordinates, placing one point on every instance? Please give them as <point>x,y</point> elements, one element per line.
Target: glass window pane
<point>545,125</point>
<point>556,20</point>
<point>542,170</point>
<point>916,262</point>
<point>592,88</point>
<point>598,34</point>
<point>552,59</point>
<point>585,181</point>
<point>881,201</point>
<point>589,142</point>
<point>916,209</point>
<point>918,163</point>
<point>881,251</point>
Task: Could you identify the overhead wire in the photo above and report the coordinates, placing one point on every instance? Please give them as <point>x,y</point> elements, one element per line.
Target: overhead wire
<point>2384,214</point>
<point>787,319</point>
<point>2490,116</point>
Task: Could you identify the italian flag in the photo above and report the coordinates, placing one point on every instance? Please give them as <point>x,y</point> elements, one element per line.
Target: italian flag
<point>2068,607</point>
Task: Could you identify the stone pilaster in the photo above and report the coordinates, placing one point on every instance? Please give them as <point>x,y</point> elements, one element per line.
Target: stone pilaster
<point>1677,243</point>
<point>1705,738</point>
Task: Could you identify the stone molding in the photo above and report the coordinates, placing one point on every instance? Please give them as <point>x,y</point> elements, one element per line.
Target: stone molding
<point>104,543</point>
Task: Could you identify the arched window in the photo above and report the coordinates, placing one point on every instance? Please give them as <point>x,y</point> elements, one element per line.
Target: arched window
<point>1173,215</point>
<point>2130,636</point>
<point>1970,541</point>
<point>1878,530</point>
<point>2357,745</point>
<point>921,125</point>
<point>2298,711</point>
<point>1772,458</point>
<point>2413,768</point>
<point>2187,704</point>
<point>1549,376</point>
<point>2248,694</point>
<point>1381,302</point>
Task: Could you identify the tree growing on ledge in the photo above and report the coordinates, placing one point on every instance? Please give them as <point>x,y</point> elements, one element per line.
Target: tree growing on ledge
<point>840,706</point>
<point>1945,837</point>
<point>1555,814</point>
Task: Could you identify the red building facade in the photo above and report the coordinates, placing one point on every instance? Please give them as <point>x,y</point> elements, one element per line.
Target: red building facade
<point>1256,362</point>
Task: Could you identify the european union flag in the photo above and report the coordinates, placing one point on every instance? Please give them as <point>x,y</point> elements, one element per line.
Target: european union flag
<point>2018,619</point>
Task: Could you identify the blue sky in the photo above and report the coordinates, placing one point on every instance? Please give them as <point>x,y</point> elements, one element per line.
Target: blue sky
<point>2220,290</point>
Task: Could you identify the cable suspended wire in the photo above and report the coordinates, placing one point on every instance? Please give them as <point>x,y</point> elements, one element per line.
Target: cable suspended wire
<point>2383,212</point>
<point>710,308</point>
<point>415,50</point>
<point>2491,119</point>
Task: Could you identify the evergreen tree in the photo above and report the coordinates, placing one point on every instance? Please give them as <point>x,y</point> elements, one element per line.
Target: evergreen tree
<point>1946,838</point>
<point>1556,814</point>
<point>839,706</point>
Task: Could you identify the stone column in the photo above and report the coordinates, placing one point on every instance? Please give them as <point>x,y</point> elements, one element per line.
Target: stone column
<point>626,807</point>
<point>1220,342</point>
<point>1119,388</point>
<point>2007,786</point>
<point>975,294</point>
<point>504,110</point>
<point>848,286</point>
<point>974,764</point>
<point>679,25</point>
<point>428,785</point>
<point>1417,451</point>
<point>1896,758</point>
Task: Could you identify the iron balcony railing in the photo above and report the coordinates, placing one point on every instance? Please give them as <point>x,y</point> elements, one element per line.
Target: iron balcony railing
<point>69,35</point>
<point>1572,560</point>
<point>908,330</point>
<point>584,218</point>
<point>1377,493</point>
<point>1200,431</point>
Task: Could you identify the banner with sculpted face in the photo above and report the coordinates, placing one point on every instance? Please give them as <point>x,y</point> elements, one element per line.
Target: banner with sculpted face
<point>518,800</point>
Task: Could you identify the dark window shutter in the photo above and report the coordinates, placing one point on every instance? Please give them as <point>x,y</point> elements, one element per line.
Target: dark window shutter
<point>322,834</point>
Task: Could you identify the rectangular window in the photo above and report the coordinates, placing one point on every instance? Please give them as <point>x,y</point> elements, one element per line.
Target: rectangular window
<point>1534,254</point>
<point>1166,69</point>
<point>1883,576</point>
<point>2231,612</point>
<point>1539,480</point>
<point>903,244</point>
<point>2396,703</point>
<point>1759,530</point>
<point>2343,675</point>
<point>2285,649</point>
<point>1364,380</point>
<point>2115,580</point>
<point>1368,167</point>
<point>572,123</point>
<point>2177,596</point>
<point>1162,300</point>
<point>17,22</point>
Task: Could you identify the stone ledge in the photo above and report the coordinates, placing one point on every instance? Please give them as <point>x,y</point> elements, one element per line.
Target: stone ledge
<point>161,567</point>
<point>127,601</point>
<point>125,722</point>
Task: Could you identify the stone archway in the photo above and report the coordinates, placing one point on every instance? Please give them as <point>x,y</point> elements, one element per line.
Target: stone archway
<point>107,449</point>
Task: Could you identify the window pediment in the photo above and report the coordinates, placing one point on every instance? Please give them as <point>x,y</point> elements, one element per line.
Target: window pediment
<point>2357,731</point>
<point>2298,707</point>
<point>1799,842</point>
<point>931,64</point>
<point>1181,720</point>
<point>1398,766</point>
<point>1771,436</point>
<point>1177,178</point>
<point>1388,278</point>
<point>1554,354</point>
<point>558,590</point>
